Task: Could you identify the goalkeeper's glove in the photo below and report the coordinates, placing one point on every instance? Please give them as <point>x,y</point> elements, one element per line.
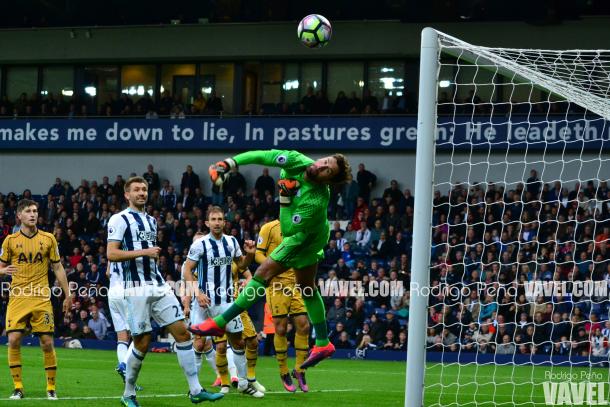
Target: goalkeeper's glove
<point>219,170</point>
<point>288,188</point>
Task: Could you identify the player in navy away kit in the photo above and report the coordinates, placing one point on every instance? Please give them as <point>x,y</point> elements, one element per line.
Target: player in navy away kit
<point>132,236</point>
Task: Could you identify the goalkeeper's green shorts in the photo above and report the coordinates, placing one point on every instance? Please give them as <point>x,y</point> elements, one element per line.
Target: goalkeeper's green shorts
<point>299,253</point>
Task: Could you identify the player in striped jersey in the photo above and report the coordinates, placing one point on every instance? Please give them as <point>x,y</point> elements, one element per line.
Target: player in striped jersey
<point>212,256</point>
<point>118,313</point>
<point>132,236</point>
<point>192,311</point>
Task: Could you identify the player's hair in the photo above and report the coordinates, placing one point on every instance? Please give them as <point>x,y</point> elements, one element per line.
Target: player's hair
<point>344,175</point>
<point>214,209</point>
<point>139,180</point>
<point>25,203</point>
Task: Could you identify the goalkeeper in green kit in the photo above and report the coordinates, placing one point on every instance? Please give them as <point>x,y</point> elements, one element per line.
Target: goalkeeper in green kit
<point>304,194</point>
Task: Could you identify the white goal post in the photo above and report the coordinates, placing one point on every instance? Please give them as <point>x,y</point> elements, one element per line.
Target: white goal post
<point>511,195</point>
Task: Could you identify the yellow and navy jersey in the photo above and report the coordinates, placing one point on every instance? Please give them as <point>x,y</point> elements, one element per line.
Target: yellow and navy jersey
<point>270,237</point>
<point>32,256</point>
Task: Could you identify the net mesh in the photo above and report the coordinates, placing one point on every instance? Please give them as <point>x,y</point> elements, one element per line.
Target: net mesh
<point>520,263</point>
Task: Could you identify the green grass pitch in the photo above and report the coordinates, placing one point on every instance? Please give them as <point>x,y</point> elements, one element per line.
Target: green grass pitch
<point>87,376</point>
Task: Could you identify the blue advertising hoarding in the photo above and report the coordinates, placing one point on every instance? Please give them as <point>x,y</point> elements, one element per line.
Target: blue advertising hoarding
<point>373,133</point>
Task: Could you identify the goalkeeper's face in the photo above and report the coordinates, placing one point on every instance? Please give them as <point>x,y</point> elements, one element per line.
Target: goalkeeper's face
<point>323,170</point>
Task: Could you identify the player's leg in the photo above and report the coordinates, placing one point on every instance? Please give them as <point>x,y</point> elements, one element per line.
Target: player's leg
<point>14,361</point>
<point>222,364</point>
<point>43,326</point>
<point>210,356</point>
<point>317,314</point>
<point>279,306</point>
<point>198,348</point>
<point>118,313</point>
<point>280,343</point>
<point>166,310</point>
<point>313,302</point>
<point>253,291</point>
<point>301,347</point>
<point>239,354</point>
<point>251,344</point>
<point>232,367</point>
<point>138,319</point>
<point>50,363</point>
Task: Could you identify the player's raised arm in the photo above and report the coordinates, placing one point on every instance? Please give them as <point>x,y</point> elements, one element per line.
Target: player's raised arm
<point>287,159</point>
<point>243,261</point>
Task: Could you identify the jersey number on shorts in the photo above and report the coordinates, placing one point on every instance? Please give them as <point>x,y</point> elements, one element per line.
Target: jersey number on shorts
<point>177,310</point>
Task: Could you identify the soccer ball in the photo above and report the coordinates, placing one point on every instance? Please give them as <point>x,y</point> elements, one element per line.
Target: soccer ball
<point>314,31</point>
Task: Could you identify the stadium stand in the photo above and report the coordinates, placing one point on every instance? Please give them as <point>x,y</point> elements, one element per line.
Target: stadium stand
<point>374,245</point>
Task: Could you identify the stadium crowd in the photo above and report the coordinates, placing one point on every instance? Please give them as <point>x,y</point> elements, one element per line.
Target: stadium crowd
<point>487,241</point>
<point>171,106</point>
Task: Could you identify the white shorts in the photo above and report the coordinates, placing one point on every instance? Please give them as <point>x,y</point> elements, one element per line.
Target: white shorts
<point>233,326</point>
<point>198,314</point>
<point>118,312</point>
<point>157,302</point>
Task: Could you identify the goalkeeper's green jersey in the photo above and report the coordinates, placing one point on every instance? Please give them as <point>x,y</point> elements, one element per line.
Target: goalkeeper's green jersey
<point>307,212</point>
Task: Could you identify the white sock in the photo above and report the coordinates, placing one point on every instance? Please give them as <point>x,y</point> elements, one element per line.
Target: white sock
<point>198,360</point>
<point>131,347</point>
<point>231,362</point>
<point>240,364</point>
<point>134,363</point>
<point>121,351</point>
<point>186,359</point>
<point>210,357</point>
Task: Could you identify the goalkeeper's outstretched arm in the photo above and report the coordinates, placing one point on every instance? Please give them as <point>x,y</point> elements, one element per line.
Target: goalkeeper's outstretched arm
<point>287,159</point>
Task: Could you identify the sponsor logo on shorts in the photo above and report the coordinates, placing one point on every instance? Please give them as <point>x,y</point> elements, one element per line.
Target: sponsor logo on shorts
<point>281,159</point>
<point>296,219</point>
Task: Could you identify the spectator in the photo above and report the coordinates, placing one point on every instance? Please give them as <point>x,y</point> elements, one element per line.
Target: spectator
<point>337,312</point>
<point>98,323</point>
<point>152,178</point>
<point>234,182</point>
<point>265,183</point>
<point>308,101</point>
<point>342,104</point>
<point>344,342</point>
<point>57,189</point>
<point>189,180</point>
<point>389,342</point>
<point>214,106</point>
<point>393,192</point>
<point>366,182</point>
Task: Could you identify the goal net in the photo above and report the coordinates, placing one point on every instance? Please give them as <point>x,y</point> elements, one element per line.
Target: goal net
<point>513,205</point>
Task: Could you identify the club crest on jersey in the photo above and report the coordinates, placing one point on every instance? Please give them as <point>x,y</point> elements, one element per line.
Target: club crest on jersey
<point>296,219</point>
<point>281,159</point>
<point>259,240</point>
<point>147,236</point>
<point>110,230</point>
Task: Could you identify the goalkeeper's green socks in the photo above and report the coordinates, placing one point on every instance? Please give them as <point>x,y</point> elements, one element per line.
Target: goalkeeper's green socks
<point>317,315</point>
<point>251,293</point>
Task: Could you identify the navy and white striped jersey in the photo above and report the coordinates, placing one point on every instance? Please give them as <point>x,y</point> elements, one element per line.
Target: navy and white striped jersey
<point>136,231</point>
<point>214,258</point>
